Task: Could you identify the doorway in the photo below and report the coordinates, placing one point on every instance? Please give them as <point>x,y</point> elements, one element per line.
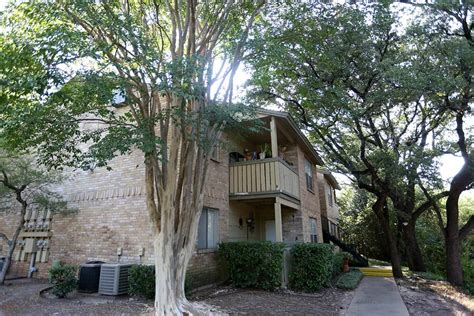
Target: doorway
<point>270,233</point>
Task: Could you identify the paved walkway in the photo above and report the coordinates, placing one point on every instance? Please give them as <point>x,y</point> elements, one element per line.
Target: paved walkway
<point>377,296</point>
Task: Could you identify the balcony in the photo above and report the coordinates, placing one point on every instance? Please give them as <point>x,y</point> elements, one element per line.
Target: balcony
<point>263,177</point>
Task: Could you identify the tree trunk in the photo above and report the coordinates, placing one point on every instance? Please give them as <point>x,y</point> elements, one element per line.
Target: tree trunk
<point>414,256</point>
<point>461,181</point>
<point>172,254</point>
<point>453,251</point>
<point>174,215</point>
<point>12,245</point>
<point>381,212</point>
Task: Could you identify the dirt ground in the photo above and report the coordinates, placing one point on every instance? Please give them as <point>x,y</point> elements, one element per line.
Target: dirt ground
<point>22,297</point>
<point>425,297</point>
<point>331,301</point>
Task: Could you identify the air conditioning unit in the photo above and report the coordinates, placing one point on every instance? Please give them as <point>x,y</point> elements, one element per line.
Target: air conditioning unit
<point>114,279</point>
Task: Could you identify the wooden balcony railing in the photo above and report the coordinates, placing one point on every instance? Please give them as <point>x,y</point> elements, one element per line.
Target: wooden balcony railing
<point>265,175</point>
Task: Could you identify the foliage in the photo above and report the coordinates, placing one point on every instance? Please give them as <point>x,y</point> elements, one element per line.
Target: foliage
<point>312,266</point>
<point>63,278</point>
<point>67,63</point>
<point>375,124</point>
<point>253,264</point>
<point>141,280</point>
<point>23,186</point>
<point>21,171</point>
<point>359,223</point>
<point>349,280</point>
<point>432,241</point>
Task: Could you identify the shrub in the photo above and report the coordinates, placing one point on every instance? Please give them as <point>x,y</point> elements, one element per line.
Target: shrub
<point>141,280</point>
<point>349,280</point>
<point>63,277</point>
<point>311,267</point>
<point>253,264</point>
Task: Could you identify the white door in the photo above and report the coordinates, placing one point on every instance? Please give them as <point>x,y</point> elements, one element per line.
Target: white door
<point>270,233</point>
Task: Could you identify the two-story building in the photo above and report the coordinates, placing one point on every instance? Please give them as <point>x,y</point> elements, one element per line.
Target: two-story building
<point>248,196</point>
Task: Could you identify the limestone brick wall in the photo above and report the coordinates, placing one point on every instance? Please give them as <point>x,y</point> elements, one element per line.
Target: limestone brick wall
<point>309,200</point>
<point>330,211</point>
<point>8,221</point>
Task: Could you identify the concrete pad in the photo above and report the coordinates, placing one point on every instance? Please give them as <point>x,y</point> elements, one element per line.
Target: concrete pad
<point>377,296</point>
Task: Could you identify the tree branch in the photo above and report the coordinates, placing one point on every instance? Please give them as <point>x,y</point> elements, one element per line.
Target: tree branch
<point>466,229</point>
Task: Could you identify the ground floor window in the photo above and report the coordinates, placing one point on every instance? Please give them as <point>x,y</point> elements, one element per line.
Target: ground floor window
<point>208,231</point>
<point>313,230</point>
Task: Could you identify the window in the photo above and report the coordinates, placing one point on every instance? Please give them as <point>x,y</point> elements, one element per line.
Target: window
<point>215,152</point>
<point>208,230</point>
<point>330,196</point>
<point>313,230</point>
<point>308,170</point>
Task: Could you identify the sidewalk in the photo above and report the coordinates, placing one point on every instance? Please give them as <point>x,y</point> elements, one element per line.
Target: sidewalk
<point>377,296</point>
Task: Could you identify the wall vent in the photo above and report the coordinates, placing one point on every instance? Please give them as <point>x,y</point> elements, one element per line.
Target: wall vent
<point>114,279</point>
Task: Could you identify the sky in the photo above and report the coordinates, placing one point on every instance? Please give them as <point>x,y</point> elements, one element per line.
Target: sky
<point>449,164</point>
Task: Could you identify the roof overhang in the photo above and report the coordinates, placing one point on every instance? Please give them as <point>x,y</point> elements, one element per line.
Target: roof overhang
<point>328,176</point>
<point>306,144</point>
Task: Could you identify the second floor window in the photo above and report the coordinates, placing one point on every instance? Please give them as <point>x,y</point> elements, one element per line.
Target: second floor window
<point>208,230</point>
<point>215,152</point>
<point>308,171</point>
<point>313,230</point>
<point>330,196</point>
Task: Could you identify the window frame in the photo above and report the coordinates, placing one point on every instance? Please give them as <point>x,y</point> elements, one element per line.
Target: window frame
<point>309,176</point>
<point>330,196</point>
<point>205,212</point>
<point>215,153</point>
<point>313,234</point>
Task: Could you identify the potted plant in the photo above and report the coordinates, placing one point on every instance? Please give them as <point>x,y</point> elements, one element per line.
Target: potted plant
<point>265,151</point>
<point>345,264</point>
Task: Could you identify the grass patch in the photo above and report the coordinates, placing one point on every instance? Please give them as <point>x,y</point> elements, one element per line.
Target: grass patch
<point>375,262</point>
<point>430,276</point>
<point>349,280</point>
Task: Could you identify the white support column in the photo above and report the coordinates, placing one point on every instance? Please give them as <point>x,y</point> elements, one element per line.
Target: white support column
<point>273,135</point>
<point>278,222</point>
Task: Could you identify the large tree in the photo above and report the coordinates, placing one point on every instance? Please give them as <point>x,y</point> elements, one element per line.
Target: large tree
<point>349,77</point>
<point>447,37</point>
<point>173,62</point>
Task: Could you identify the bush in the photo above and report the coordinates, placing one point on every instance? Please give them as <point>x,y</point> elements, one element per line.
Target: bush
<point>311,267</point>
<point>349,280</point>
<point>253,264</point>
<point>141,280</point>
<point>63,277</point>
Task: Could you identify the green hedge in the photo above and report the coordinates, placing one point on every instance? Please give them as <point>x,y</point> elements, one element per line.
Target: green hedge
<point>253,264</point>
<point>349,280</point>
<point>312,266</point>
<point>63,278</point>
<point>141,281</point>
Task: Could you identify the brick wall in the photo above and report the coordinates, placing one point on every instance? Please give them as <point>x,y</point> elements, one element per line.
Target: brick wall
<point>112,214</point>
<point>309,200</point>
